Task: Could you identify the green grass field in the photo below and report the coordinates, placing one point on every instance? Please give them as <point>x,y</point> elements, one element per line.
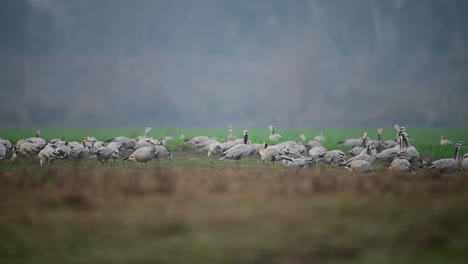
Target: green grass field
<point>200,210</point>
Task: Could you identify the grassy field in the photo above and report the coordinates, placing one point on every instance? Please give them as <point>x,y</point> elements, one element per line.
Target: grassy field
<point>200,210</point>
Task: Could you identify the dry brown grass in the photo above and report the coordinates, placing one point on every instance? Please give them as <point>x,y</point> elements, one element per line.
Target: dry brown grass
<point>182,215</point>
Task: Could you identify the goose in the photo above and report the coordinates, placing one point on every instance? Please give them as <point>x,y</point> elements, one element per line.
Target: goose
<point>54,151</point>
<point>464,163</point>
<point>3,152</point>
<point>332,157</point>
<point>45,155</point>
<point>273,135</point>
<point>407,151</point>
<point>162,153</point>
<point>214,149</point>
<point>356,151</point>
<point>145,135</point>
<point>144,154</point>
<point>368,154</point>
<point>313,143</point>
<point>230,133</point>
<point>359,166</point>
<point>197,140</point>
<point>79,151</point>
<point>319,137</point>
<point>270,153</point>
<point>255,149</point>
<point>292,152</point>
<point>127,143</point>
<point>402,165</point>
<point>444,141</point>
<point>93,143</point>
<point>143,142</point>
<point>317,152</point>
<point>384,144</point>
<point>301,148</point>
<point>6,143</point>
<point>301,162</point>
<point>302,137</point>
<point>448,165</point>
<point>355,142</point>
<point>237,152</point>
<point>106,153</point>
<point>388,154</point>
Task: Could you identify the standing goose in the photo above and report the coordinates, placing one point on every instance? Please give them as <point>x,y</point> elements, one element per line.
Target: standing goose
<point>448,165</point>
<point>273,135</point>
<point>238,152</point>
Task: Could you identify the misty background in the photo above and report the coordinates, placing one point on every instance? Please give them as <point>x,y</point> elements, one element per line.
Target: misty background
<point>209,63</point>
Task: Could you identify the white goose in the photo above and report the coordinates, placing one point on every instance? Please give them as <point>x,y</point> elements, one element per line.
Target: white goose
<point>238,152</point>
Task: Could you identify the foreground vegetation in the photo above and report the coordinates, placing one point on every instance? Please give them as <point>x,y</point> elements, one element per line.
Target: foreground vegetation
<point>183,215</point>
<point>199,210</point>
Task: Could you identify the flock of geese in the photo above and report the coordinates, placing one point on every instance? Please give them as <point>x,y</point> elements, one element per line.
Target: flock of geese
<point>397,154</point>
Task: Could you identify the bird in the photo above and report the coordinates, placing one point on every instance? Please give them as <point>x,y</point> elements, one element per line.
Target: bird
<point>331,158</point>
<point>464,163</point>
<point>368,154</point>
<point>106,153</point>
<point>444,141</point>
<point>355,142</point>
<point>144,154</point>
<point>238,152</point>
<point>359,166</point>
<point>270,153</point>
<point>162,152</point>
<point>381,144</point>
<point>6,143</point>
<point>127,143</point>
<point>402,165</point>
<point>79,151</point>
<point>319,137</point>
<point>3,152</point>
<point>54,151</point>
<point>301,162</point>
<point>273,136</point>
<point>448,165</point>
<point>317,152</point>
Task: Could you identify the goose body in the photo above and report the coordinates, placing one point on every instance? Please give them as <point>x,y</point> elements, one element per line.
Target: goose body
<point>319,137</point>
<point>444,141</point>
<point>448,165</point>
<point>237,152</point>
<point>359,166</point>
<point>273,136</point>
<point>144,154</point>
<point>3,152</point>
<point>106,153</point>
<point>270,153</point>
<point>291,162</point>
<point>355,142</point>
<point>464,163</point>
<point>402,165</point>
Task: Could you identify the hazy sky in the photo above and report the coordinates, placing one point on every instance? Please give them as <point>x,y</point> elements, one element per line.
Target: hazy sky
<point>209,63</point>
